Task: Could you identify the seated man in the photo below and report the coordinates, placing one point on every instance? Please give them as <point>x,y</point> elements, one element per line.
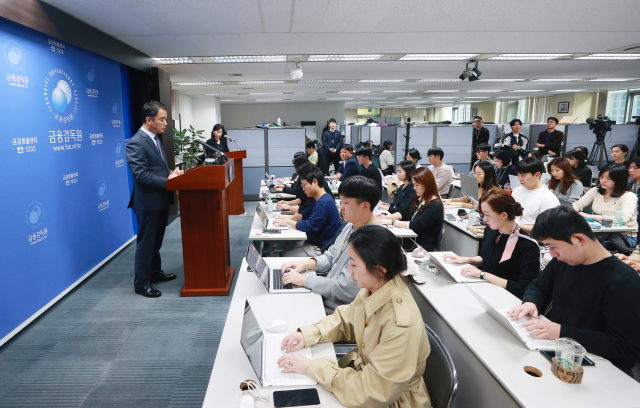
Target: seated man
<point>482,152</point>
<point>359,197</point>
<point>368,168</point>
<point>596,297</point>
<point>350,167</point>
<point>443,173</point>
<point>532,195</point>
<point>320,220</point>
<point>310,148</point>
<point>550,140</point>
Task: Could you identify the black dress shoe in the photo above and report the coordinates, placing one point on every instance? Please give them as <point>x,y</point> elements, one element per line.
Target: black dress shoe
<point>149,291</point>
<point>160,276</point>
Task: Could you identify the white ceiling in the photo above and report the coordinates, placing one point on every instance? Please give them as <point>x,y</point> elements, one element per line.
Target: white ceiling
<point>190,28</point>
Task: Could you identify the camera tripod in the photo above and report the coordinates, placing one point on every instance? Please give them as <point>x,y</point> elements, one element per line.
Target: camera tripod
<point>636,147</point>
<point>599,149</point>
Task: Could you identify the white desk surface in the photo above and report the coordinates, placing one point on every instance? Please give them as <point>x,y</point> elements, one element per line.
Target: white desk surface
<point>456,183</point>
<point>504,356</point>
<point>255,234</point>
<point>231,365</point>
<point>461,225</point>
<point>399,232</point>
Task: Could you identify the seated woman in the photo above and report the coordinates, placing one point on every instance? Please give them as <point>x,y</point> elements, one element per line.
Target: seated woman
<point>579,166</point>
<point>619,154</point>
<point>502,159</point>
<point>605,199</point>
<point>216,141</point>
<point>386,158</point>
<point>427,212</point>
<point>404,195</point>
<point>563,183</point>
<point>414,156</point>
<point>384,317</point>
<point>508,256</point>
<point>486,176</point>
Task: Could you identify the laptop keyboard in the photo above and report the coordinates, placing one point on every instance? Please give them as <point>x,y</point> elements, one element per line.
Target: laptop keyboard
<point>272,373</point>
<point>277,280</point>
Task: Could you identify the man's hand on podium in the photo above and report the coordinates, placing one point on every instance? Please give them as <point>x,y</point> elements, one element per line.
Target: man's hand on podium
<point>175,173</point>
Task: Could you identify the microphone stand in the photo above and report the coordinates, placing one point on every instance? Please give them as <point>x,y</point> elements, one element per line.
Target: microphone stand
<point>240,147</point>
<point>212,148</point>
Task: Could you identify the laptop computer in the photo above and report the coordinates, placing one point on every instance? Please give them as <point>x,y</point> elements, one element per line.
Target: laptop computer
<point>270,185</point>
<point>566,204</point>
<point>265,222</point>
<point>515,328</point>
<point>514,182</point>
<point>452,269</point>
<point>263,353</point>
<point>469,187</point>
<point>271,279</point>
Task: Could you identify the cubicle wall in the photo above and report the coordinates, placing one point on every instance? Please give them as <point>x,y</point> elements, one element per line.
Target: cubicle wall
<point>375,135</point>
<point>581,135</point>
<point>254,166</point>
<point>421,139</point>
<point>456,143</point>
<point>282,145</point>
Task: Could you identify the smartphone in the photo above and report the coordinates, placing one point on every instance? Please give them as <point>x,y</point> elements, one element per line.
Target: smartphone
<point>305,397</point>
<point>549,354</point>
<point>451,217</point>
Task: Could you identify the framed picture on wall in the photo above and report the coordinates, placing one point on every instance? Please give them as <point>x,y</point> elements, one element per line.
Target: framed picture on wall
<point>474,112</point>
<point>563,107</point>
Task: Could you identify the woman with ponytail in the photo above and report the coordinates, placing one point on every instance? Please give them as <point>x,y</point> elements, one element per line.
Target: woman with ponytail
<point>508,257</point>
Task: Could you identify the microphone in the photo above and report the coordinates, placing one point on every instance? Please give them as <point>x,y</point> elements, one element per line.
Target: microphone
<point>233,141</point>
<point>211,147</point>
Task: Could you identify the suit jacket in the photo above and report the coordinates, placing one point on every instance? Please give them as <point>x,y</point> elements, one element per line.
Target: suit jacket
<point>331,140</point>
<point>350,168</point>
<point>557,137</point>
<point>149,173</point>
<point>483,137</point>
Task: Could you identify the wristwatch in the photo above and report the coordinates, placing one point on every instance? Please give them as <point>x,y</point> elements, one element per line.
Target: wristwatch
<point>482,275</point>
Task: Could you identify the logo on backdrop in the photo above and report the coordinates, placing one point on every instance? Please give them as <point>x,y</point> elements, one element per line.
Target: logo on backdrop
<point>60,95</point>
<point>34,215</point>
<point>115,111</point>
<point>14,55</point>
<point>102,189</point>
<point>90,76</point>
<point>118,148</point>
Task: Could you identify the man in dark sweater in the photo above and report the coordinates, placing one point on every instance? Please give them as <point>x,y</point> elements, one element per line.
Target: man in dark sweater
<point>596,297</point>
<point>480,135</point>
<point>369,170</point>
<point>549,141</point>
<point>320,221</point>
<point>332,142</point>
<point>350,166</point>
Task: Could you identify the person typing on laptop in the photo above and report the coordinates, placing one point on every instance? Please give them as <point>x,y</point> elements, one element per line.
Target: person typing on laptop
<point>596,297</point>
<point>532,195</point>
<point>486,175</point>
<point>359,195</point>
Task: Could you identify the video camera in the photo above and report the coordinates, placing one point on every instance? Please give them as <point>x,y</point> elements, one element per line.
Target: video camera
<point>637,120</point>
<point>600,126</point>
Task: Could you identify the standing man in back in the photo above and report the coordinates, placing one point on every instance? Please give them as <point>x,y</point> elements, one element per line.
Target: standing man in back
<point>480,136</point>
<point>331,145</point>
<point>150,199</point>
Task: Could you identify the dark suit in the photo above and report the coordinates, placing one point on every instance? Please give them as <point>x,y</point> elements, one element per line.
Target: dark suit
<point>557,137</point>
<point>478,138</point>
<point>350,168</point>
<point>332,140</point>
<point>150,201</point>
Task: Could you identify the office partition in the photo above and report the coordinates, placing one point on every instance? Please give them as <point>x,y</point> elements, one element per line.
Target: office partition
<point>375,134</point>
<point>282,144</point>
<point>254,166</point>
<point>421,138</point>
<point>456,143</point>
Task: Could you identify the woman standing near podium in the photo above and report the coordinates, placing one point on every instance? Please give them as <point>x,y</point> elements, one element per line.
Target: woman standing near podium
<point>217,140</point>
<point>386,369</point>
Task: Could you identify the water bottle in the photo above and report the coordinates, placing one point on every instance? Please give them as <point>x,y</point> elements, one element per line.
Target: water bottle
<point>472,218</point>
<point>269,206</point>
<point>618,219</point>
<point>279,122</point>
<point>507,187</point>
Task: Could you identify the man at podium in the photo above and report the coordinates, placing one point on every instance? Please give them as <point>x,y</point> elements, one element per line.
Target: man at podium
<point>150,199</point>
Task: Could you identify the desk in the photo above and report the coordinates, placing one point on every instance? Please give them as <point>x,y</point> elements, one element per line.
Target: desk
<point>291,234</point>
<point>231,365</point>
<point>399,232</point>
<point>457,238</point>
<point>490,361</point>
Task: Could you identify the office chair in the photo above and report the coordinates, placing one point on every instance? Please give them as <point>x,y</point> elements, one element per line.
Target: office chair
<point>440,374</point>
<point>451,188</point>
<point>439,242</point>
<point>376,160</point>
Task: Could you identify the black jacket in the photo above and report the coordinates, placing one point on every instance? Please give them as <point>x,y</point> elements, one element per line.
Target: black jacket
<point>427,225</point>
<point>557,137</point>
<point>222,146</point>
<point>331,140</point>
<point>402,201</point>
<point>483,137</point>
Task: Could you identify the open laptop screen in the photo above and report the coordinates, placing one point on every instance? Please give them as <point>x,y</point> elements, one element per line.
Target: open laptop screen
<point>251,340</point>
<point>262,215</point>
<point>469,187</point>
<point>258,265</point>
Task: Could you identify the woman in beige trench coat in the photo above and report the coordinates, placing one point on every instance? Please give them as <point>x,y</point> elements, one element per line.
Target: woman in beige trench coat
<point>384,321</point>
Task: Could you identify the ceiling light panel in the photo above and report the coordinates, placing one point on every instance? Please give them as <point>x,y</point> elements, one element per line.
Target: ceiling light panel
<point>529,90</point>
<point>338,99</point>
<point>555,80</point>
<point>398,91</point>
<point>527,57</point>
<point>354,91</point>
<point>249,58</point>
<point>319,81</point>
<point>482,90</point>
<point>437,57</point>
<point>259,82</point>
<point>265,93</point>
<point>381,80</point>
<point>198,83</point>
<point>612,79</point>
<point>500,80</point>
<point>409,97</point>
<point>178,60</point>
<point>439,80</point>
<point>568,90</point>
<point>344,57</point>
<point>610,57</point>
<point>311,92</point>
<point>373,98</point>
<point>442,90</point>
<point>222,94</point>
<point>443,97</point>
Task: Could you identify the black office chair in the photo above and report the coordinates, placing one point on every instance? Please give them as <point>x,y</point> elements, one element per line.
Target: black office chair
<point>376,160</point>
<point>440,375</point>
<point>439,242</point>
<point>451,188</point>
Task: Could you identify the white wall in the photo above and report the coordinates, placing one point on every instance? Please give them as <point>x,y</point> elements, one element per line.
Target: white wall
<point>185,110</point>
<point>206,113</point>
<point>234,116</point>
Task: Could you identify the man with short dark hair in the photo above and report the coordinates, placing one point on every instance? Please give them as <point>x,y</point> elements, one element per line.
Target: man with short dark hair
<point>532,195</point>
<point>482,151</point>
<point>480,136</point>
<point>550,140</point>
<point>595,296</point>
<point>331,144</point>
<point>443,173</point>
<point>150,199</point>
<point>350,166</point>
<point>368,169</point>
<point>515,143</point>
<point>359,196</point>
<point>312,155</point>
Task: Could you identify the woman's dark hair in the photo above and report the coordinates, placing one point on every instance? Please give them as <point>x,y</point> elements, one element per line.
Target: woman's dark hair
<point>537,154</point>
<point>414,153</point>
<point>623,147</point>
<point>386,145</point>
<point>379,248</point>
<point>409,167</point>
<point>584,150</point>
<point>217,127</point>
<point>361,189</point>
<point>513,122</point>
<point>490,179</point>
<point>619,174</point>
<point>299,160</point>
<point>504,157</point>
<point>500,202</point>
<point>424,177</point>
<point>577,155</point>
<point>567,179</point>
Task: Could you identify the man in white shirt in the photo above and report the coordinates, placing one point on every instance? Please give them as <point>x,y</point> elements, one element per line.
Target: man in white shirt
<point>532,195</point>
<point>441,172</point>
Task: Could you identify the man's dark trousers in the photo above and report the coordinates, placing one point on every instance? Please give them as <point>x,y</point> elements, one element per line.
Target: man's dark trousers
<point>152,225</point>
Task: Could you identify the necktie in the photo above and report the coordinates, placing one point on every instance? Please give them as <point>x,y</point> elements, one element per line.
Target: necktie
<point>160,149</point>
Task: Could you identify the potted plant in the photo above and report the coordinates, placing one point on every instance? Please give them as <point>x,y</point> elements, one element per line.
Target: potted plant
<point>184,145</point>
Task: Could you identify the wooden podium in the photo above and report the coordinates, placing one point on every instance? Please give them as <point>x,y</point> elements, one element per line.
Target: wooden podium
<point>205,229</point>
<point>235,193</point>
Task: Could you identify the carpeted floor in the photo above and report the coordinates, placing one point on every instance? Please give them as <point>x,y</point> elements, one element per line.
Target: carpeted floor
<point>104,346</point>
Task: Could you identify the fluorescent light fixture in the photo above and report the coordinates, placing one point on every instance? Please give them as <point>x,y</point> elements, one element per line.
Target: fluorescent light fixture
<point>311,92</point>
<point>568,90</point>
<point>373,98</point>
<point>222,94</point>
<point>176,60</point>
<point>610,57</point>
<point>338,99</point>
<point>199,83</point>
<point>319,81</point>
<point>527,57</point>
<point>443,90</point>
<point>507,97</point>
<point>500,80</point>
<point>439,80</point>
<point>381,80</point>
<point>344,57</point>
<point>398,91</point>
<point>555,80</point>
<point>475,97</point>
<point>231,100</point>
<point>259,82</point>
<point>482,90</point>
<point>409,97</point>
<point>268,100</point>
<point>529,90</point>
<point>354,91</point>
<point>249,58</point>
<point>437,57</point>
<point>443,97</point>
<point>265,93</point>
<point>612,79</point>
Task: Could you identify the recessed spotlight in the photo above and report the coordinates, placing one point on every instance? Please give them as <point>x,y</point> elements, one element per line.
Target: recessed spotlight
<point>249,58</point>
<point>612,79</point>
<point>344,57</point>
<point>437,57</point>
<point>176,60</point>
<point>259,82</point>
<point>199,83</point>
<point>381,80</point>
<point>319,81</point>
<point>527,57</point>
<point>610,57</point>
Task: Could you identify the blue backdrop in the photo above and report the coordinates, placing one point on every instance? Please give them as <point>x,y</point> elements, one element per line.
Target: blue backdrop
<point>64,188</point>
